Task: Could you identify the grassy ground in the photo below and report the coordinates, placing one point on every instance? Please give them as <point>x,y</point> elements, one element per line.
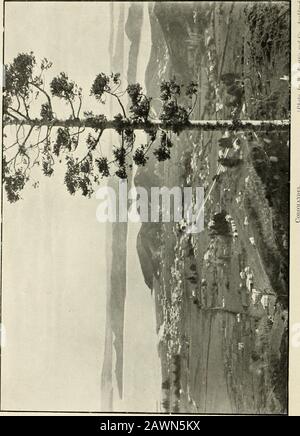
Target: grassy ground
<point>232,351</point>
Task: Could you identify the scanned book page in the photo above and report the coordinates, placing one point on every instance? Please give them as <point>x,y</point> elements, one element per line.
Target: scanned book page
<point>150,207</point>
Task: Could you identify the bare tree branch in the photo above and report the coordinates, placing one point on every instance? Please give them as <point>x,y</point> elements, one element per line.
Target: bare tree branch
<point>44,92</point>
<point>17,112</point>
<point>119,101</point>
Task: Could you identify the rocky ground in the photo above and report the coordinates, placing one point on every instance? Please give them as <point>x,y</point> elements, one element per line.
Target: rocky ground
<point>222,295</point>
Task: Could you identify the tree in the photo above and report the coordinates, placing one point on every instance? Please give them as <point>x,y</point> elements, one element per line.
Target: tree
<point>43,139</point>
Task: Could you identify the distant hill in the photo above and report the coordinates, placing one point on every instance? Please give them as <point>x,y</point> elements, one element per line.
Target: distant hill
<point>148,240</point>
<point>148,244</point>
<point>158,65</point>
<point>133,29</point>
<point>174,29</point>
<point>106,375</point>
<point>117,232</point>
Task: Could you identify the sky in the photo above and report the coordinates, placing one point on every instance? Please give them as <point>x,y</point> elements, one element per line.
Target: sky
<point>54,277</point>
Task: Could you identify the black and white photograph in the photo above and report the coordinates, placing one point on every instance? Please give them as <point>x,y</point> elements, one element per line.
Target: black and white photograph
<point>146,207</point>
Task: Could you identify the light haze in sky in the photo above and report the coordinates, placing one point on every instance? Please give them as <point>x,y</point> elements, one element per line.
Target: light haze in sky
<point>54,272</point>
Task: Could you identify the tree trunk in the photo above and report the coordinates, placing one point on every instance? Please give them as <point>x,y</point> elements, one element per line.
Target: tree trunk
<point>207,125</point>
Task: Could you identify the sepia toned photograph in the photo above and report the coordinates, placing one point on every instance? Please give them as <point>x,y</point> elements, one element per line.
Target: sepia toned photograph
<point>145,207</point>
